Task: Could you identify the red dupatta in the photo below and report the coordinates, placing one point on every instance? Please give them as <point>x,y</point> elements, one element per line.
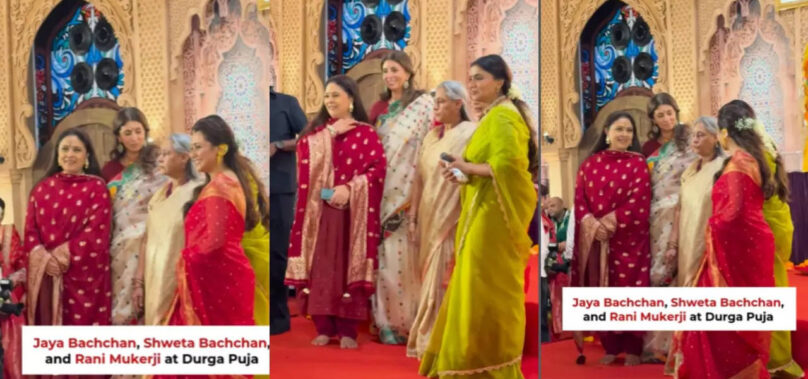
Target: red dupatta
<point>357,160</point>
<point>739,253</point>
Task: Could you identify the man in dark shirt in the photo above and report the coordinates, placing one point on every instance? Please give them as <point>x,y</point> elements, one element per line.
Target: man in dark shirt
<point>286,120</point>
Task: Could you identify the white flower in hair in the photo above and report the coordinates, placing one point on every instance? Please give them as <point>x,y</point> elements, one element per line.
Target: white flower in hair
<point>514,93</point>
<point>746,123</point>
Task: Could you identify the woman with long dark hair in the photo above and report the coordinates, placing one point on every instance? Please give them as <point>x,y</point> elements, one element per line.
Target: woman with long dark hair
<point>132,135</point>
<point>402,117</point>
<point>335,235</point>
<point>215,282</point>
<point>131,189</point>
<point>480,328</point>
<point>67,234</point>
<point>667,163</point>
<point>664,114</point>
<point>740,252</point>
<point>777,213</point>
<point>612,206</point>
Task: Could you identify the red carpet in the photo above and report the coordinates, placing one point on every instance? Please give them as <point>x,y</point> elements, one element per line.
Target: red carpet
<point>294,357</point>
<point>558,358</point>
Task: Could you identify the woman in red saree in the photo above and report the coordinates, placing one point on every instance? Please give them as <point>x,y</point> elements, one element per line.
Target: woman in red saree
<point>67,234</point>
<point>13,265</point>
<point>739,253</point>
<point>215,282</point>
<point>335,235</point>
<point>612,200</point>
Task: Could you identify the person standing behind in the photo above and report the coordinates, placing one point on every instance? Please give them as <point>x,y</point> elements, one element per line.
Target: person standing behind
<point>435,209</point>
<point>165,236</point>
<point>286,121</point>
<point>131,190</point>
<point>695,204</point>
<point>403,117</point>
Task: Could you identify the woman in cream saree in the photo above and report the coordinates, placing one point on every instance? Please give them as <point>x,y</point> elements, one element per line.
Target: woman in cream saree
<point>132,190</point>
<point>480,329</point>
<point>403,120</point>
<point>436,208</point>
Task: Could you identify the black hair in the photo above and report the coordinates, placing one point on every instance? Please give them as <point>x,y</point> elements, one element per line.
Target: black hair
<point>613,117</point>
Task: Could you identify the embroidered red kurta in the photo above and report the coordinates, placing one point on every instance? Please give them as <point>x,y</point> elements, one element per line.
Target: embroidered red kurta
<point>355,159</point>
<point>613,189</point>
<point>69,220</point>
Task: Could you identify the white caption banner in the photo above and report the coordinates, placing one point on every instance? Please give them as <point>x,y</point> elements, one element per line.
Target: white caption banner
<point>679,308</point>
<point>145,350</point>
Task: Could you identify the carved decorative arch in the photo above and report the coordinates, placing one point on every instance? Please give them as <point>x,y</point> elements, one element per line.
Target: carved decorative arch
<point>27,16</point>
<point>730,45</point>
<point>204,49</point>
<point>574,16</point>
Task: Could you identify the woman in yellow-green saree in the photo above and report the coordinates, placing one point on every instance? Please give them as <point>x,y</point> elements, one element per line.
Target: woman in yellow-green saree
<point>256,247</point>
<point>480,329</point>
<point>778,215</point>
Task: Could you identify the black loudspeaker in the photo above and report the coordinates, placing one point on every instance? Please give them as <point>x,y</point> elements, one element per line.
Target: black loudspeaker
<point>82,78</point>
<point>395,26</point>
<point>104,35</point>
<point>641,33</point>
<point>106,74</point>
<point>371,29</point>
<point>621,35</point>
<point>80,38</point>
<point>621,70</point>
<point>643,66</point>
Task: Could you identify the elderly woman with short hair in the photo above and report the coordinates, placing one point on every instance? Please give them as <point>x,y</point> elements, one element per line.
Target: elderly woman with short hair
<point>436,208</point>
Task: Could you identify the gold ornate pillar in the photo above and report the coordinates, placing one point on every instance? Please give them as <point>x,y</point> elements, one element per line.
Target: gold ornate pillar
<point>436,21</point>
<point>151,76</point>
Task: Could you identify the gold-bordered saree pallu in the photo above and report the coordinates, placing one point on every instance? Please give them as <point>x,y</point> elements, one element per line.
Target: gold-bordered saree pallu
<point>480,329</point>
<point>215,281</point>
<point>355,159</point>
<point>739,253</point>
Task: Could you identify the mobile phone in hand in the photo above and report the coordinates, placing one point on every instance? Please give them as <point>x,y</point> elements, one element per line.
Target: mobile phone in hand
<point>446,157</point>
<point>326,194</point>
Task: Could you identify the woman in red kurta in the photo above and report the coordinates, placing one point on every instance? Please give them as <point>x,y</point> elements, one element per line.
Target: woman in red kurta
<point>739,253</point>
<point>67,232</point>
<point>215,281</point>
<point>613,198</point>
<point>334,240</point>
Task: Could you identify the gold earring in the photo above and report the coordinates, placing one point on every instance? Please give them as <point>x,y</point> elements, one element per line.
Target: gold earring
<point>86,164</point>
<point>350,108</point>
<point>222,152</point>
<point>608,141</point>
<point>406,84</point>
